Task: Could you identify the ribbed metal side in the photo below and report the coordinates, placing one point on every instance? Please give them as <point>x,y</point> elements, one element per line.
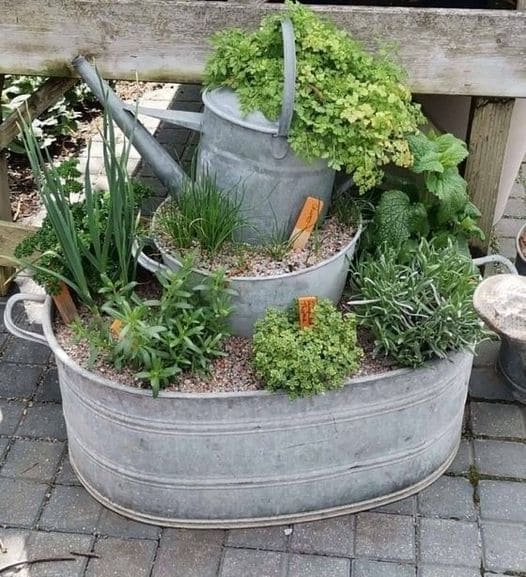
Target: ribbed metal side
<point>248,459</point>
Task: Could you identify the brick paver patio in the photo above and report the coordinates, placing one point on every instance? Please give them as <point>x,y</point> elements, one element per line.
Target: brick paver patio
<point>470,523</point>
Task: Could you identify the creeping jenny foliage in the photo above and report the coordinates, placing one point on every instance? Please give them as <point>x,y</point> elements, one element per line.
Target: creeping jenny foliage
<point>307,361</point>
<point>351,108</point>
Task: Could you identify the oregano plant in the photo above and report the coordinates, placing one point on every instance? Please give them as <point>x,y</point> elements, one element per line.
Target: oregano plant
<point>351,108</point>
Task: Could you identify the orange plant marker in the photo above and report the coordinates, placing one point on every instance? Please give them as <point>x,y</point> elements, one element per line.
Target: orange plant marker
<point>65,305</point>
<point>309,215</point>
<point>116,327</point>
<point>306,306</point>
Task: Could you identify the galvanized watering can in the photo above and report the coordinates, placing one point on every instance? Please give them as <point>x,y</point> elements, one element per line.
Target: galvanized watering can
<point>250,157</point>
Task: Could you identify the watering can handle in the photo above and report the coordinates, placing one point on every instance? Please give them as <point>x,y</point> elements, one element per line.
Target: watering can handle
<point>289,83</point>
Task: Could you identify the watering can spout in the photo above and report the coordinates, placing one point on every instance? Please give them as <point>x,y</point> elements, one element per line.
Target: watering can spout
<point>191,120</point>
<point>162,164</point>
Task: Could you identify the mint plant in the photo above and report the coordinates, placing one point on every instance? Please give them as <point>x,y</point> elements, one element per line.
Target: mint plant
<point>351,107</point>
<point>433,202</point>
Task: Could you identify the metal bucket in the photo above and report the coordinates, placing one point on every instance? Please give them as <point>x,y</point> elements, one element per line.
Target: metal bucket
<point>254,295</point>
<point>512,365</point>
<point>257,458</point>
<point>250,157</point>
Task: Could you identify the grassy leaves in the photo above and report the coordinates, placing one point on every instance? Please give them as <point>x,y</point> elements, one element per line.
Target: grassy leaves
<point>201,213</point>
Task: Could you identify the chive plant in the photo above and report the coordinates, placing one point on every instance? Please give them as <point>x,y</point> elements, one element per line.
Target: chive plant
<point>105,243</point>
<point>202,214</point>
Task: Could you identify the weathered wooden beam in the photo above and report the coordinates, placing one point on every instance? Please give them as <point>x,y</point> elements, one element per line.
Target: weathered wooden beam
<point>445,51</point>
<point>45,97</point>
<point>5,204</point>
<point>487,146</point>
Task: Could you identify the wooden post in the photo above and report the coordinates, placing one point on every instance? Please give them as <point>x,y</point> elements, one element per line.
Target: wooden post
<point>487,140</point>
<point>6,272</point>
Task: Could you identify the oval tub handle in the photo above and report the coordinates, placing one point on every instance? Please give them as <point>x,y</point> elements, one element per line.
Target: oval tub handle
<point>289,82</point>
<point>146,262</point>
<point>496,258</point>
<point>13,328</point>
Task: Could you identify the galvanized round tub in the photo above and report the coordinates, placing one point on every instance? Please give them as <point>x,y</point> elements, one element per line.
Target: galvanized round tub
<point>254,295</point>
<point>258,458</point>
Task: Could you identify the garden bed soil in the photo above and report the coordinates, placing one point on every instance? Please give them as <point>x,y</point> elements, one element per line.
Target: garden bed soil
<point>245,260</point>
<point>231,373</point>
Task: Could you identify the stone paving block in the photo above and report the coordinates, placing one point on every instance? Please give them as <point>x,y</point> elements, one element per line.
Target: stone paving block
<point>70,509</point>
<point>43,544</point>
<point>507,247</point>
<point>447,542</point>
<point>509,227</point>
<point>49,390</point>
<point>245,562</point>
<point>486,354</point>
<point>33,459</point>
<point>10,413</point>
<point>487,384</point>
<point>66,475</point>
<point>515,207</point>
<point>20,501</point>
<point>497,420</point>
<point>441,571</point>
<point>19,381</point>
<point>317,566</point>
<point>403,507</point>
<point>504,547</point>
<point>186,553</point>
<point>44,421</point>
<point>3,447</point>
<point>329,537</point>
<point>3,339</point>
<point>386,537</point>
<point>502,501</point>
<point>271,538</point>
<point>364,568</point>
<point>115,525</point>
<point>20,351</point>
<point>15,542</point>
<point>463,460</point>
<point>500,458</point>
<point>449,498</point>
<point>187,92</point>
<point>517,190</point>
<point>122,558</point>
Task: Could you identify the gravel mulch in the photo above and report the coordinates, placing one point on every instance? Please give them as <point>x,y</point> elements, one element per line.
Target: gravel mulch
<point>245,260</point>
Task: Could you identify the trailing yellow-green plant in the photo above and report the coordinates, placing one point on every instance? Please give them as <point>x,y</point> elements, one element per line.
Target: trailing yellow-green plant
<point>351,108</point>
<point>306,361</point>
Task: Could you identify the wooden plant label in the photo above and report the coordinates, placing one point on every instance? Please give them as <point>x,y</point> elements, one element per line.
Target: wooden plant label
<point>65,305</point>
<point>309,215</point>
<point>116,327</point>
<point>305,309</point>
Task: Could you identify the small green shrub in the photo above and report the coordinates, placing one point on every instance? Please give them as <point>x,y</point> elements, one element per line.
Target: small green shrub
<point>306,361</point>
<point>435,205</point>
<point>161,338</point>
<point>351,107</point>
<point>418,305</point>
<point>201,213</point>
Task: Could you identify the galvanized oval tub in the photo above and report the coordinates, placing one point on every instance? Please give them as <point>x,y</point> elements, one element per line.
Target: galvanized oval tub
<point>254,295</point>
<point>258,458</point>
<point>520,259</point>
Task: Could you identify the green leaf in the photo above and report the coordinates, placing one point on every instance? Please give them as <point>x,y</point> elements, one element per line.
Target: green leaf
<point>446,184</point>
<point>452,150</point>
